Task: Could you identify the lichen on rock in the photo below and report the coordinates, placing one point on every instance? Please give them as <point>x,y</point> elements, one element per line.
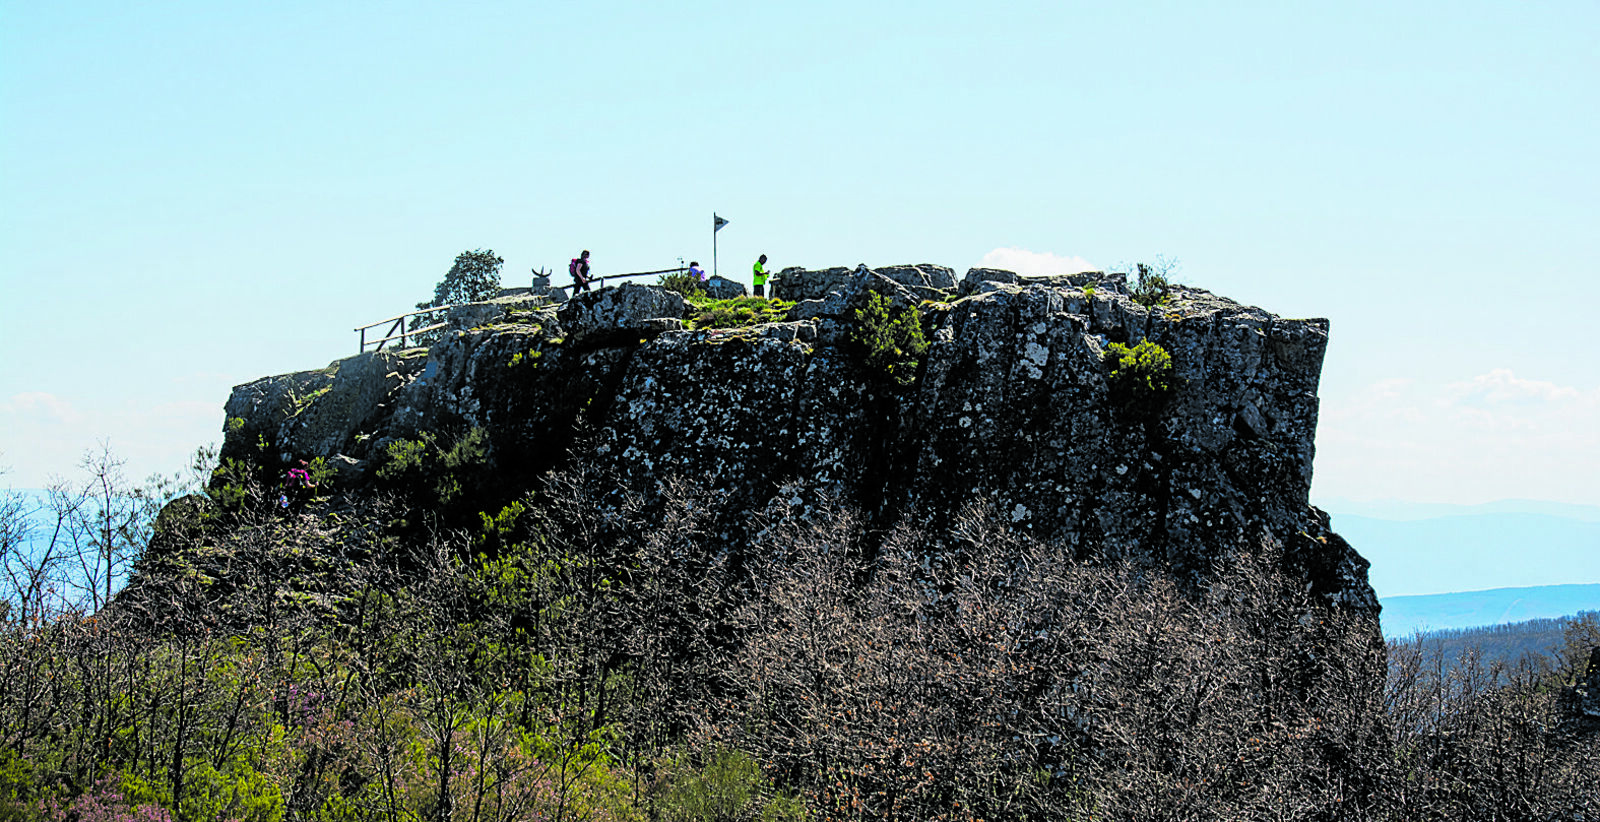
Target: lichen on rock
<point>1011,404</point>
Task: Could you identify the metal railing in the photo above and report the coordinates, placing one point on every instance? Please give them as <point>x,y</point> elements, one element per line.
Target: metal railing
<point>400,326</point>
<point>600,281</point>
<point>398,330</point>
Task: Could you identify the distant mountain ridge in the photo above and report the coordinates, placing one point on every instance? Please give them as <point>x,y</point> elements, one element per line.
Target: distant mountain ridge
<point>1404,615</point>
<point>1431,548</point>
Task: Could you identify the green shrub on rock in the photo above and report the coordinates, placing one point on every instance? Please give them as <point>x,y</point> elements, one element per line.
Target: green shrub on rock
<point>1152,283</point>
<point>682,283</point>
<point>890,343</point>
<point>1141,375</point>
<point>441,472</point>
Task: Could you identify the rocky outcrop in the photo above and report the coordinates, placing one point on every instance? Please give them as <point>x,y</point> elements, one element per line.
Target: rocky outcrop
<point>628,311</point>
<point>1012,406</point>
<point>926,281</point>
<point>1581,701</point>
<point>722,288</point>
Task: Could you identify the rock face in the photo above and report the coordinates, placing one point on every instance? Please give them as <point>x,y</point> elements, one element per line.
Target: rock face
<point>722,288</point>
<point>1012,405</point>
<point>621,313</point>
<point>1582,700</point>
<point>927,281</point>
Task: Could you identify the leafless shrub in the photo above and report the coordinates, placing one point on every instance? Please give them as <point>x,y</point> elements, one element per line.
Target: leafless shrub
<point>975,673</point>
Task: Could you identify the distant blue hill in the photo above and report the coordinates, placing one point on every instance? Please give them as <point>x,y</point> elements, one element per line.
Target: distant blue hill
<point>1405,615</point>
<point>1474,551</point>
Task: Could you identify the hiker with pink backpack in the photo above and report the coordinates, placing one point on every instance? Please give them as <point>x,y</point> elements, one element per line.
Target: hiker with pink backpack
<point>579,269</point>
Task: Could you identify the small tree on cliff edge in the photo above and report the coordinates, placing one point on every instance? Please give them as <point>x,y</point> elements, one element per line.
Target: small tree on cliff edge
<point>474,277</point>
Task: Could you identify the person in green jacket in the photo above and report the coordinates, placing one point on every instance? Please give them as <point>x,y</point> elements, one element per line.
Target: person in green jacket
<point>759,277</point>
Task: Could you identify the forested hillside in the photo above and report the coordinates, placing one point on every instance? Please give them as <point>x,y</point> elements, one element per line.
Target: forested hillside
<point>343,660</point>
<point>1539,642</point>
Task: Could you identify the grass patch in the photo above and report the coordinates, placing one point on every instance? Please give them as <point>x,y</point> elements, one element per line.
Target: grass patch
<point>739,312</point>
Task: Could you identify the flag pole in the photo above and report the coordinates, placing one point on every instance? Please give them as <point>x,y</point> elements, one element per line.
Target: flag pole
<point>716,225</point>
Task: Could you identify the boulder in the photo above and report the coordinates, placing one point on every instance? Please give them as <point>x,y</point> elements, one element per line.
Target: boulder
<point>722,288</point>
<point>602,317</point>
<point>925,281</point>
<point>500,309</point>
<point>990,279</point>
<point>354,399</point>
<point>799,284</point>
<point>849,292</point>
<point>256,410</point>
<point>977,277</point>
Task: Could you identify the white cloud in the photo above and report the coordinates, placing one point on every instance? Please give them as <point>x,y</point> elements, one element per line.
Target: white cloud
<point>1492,436</point>
<point>1501,387</point>
<point>40,406</point>
<point>1023,261</point>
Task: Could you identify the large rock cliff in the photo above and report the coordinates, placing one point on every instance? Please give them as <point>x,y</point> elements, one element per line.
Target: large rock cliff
<point>1012,405</point>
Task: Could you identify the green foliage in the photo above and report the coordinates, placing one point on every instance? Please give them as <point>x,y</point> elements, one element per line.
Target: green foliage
<point>739,312</point>
<point>322,474</point>
<point>683,283</point>
<point>404,459</point>
<point>1153,286</point>
<point>720,790</point>
<point>474,277</point>
<point>1088,290</point>
<point>236,792</point>
<point>17,782</point>
<point>785,807</point>
<point>890,343</point>
<point>529,358</point>
<point>471,451</point>
<point>440,473</point>
<point>231,484</point>
<point>497,532</point>
<point>1141,375</point>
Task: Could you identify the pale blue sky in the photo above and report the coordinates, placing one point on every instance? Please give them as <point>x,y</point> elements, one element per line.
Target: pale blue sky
<point>194,195</point>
